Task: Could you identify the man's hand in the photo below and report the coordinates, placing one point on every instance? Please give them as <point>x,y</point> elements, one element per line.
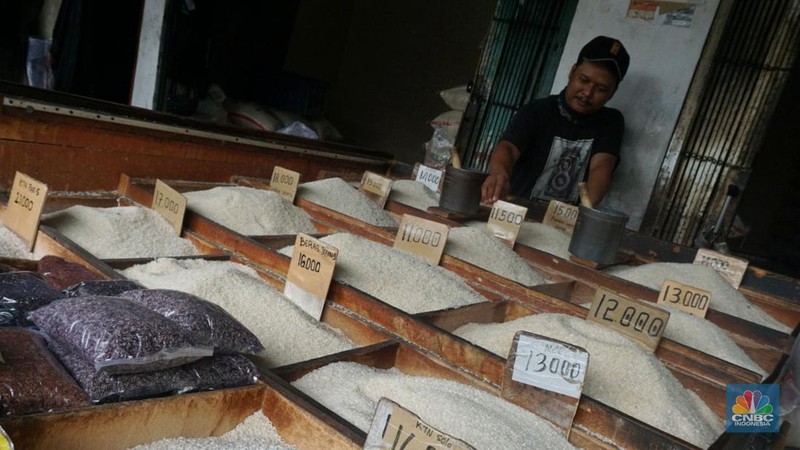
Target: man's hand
<point>494,188</point>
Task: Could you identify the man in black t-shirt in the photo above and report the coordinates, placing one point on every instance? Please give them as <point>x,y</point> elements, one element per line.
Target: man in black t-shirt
<point>556,142</point>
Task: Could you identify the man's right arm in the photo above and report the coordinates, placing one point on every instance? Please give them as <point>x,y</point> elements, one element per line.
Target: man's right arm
<point>497,184</point>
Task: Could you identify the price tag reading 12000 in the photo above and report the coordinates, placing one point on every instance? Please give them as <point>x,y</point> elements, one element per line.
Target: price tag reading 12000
<point>171,204</point>
<point>422,237</point>
<point>396,428</point>
<point>505,220</point>
<point>639,321</point>
<point>310,274</point>
<point>25,205</point>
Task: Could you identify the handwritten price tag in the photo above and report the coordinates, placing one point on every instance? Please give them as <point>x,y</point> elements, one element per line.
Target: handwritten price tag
<point>422,237</point>
<point>505,220</point>
<point>310,274</point>
<point>643,323</point>
<point>25,206</point>
<point>394,427</point>
<point>376,187</point>
<point>561,216</point>
<point>684,297</point>
<point>430,177</point>
<point>549,364</point>
<point>284,182</point>
<point>171,204</point>
<point>731,268</point>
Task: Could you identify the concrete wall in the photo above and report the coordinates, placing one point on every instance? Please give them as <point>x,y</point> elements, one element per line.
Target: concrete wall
<point>663,60</point>
<point>391,58</point>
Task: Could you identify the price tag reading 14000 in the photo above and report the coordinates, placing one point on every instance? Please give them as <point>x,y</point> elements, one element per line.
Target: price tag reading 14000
<point>396,428</point>
<point>643,323</point>
<point>730,268</point>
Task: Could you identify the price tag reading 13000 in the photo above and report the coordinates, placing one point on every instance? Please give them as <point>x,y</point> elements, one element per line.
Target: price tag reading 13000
<point>643,323</point>
<point>549,364</point>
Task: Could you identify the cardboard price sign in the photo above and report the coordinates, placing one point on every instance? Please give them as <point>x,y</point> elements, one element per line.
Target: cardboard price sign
<point>422,237</point>
<point>25,205</point>
<point>428,176</point>
<point>505,220</point>
<point>310,274</point>
<point>284,182</point>
<point>394,427</point>
<point>171,204</point>
<point>731,268</point>
<point>547,373</point>
<point>684,297</point>
<point>376,187</point>
<point>561,216</point>
<point>641,322</point>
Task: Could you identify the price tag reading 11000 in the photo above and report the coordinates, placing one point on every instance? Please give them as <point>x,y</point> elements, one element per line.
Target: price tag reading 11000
<point>396,428</point>
<point>641,322</point>
<point>422,237</point>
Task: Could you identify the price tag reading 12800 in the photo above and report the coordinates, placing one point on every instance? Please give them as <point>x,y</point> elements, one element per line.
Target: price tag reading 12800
<point>641,322</point>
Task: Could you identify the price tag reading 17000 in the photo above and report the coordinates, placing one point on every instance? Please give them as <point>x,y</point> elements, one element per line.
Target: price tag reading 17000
<point>641,322</point>
<point>396,428</point>
<point>171,204</point>
<point>284,183</point>
<point>24,210</point>
<point>376,187</point>
<point>732,269</point>
<point>561,216</point>
<point>549,364</point>
<point>684,297</point>
<point>310,274</point>
<point>422,237</point>
<point>505,220</point>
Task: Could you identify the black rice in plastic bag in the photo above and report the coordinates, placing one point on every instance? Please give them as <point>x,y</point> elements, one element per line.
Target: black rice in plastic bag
<point>222,371</point>
<point>31,379</point>
<point>209,322</point>
<point>102,387</point>
<point>118,335</point>
<point>21,293</point>
<point>101,287</point>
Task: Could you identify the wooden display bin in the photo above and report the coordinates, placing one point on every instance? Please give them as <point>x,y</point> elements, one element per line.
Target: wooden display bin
<point>127,424</point>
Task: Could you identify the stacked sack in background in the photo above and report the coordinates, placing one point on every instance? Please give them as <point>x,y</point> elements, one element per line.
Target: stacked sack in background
<point>445,127</point>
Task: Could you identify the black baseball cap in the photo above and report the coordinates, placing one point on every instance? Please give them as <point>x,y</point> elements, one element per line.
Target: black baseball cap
<point>608,51</point>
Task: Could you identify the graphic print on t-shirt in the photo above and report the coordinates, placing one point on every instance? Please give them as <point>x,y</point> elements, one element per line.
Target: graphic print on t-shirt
<point>565,167</point>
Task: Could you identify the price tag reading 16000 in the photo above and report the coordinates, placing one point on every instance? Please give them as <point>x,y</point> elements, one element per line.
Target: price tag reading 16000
<point>637,320</point>
<point>310,274</point>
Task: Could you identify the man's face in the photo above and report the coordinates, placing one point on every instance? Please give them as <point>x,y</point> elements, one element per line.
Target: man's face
<point>590,86</point>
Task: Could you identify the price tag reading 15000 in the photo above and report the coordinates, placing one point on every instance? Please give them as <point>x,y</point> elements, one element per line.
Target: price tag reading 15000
<point>310,274</point>
<point>24,210</point>
<point>505,220</point>
<point>422,237</point>
<point>561,216</point>
<point>643,323</point>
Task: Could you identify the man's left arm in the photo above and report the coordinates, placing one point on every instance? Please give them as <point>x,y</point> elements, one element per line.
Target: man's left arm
<point>601,166</point>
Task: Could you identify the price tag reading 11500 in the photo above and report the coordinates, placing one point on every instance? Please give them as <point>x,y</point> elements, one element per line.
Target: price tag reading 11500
<point>505,220</point>
<point>637,320</point>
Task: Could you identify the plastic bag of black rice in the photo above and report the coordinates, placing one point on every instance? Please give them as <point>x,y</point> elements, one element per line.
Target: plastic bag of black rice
<point>209,322</point>
<point>118,335</point>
